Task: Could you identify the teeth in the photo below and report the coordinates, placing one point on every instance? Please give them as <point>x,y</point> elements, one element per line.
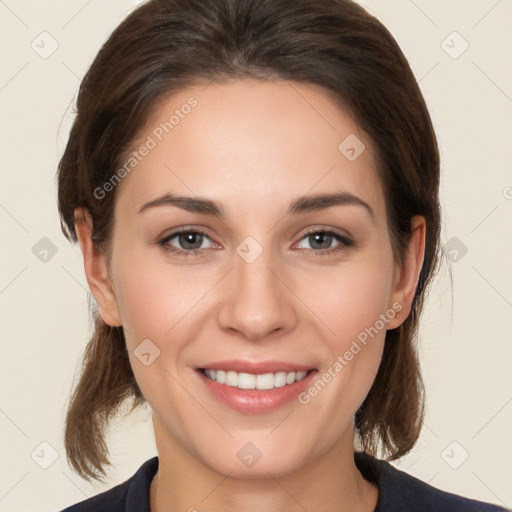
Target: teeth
<point>251,381</point>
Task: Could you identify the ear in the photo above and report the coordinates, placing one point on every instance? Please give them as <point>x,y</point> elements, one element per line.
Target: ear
<point>96,269</point>
<point>405,279</point>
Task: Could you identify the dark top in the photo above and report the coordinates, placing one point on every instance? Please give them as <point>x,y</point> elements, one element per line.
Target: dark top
<point>398,492</point>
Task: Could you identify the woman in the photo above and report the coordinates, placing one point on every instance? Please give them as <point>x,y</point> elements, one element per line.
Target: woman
<point>254,188</point>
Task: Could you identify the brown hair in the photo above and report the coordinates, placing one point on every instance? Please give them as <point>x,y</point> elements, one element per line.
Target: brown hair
<point>165,45</point>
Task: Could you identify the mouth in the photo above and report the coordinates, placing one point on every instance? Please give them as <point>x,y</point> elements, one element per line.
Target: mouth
<point>255,388</point>
<point>262,382</point>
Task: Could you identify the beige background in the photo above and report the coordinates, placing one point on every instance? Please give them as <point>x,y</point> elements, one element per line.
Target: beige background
<point>466,341</point>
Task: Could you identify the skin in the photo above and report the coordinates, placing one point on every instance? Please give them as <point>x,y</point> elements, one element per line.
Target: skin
<point>253,147</point>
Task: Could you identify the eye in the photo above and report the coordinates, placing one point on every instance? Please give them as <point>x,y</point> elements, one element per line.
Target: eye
<point>186,242</point>
<point>193,242</point>
<point>321,242</point>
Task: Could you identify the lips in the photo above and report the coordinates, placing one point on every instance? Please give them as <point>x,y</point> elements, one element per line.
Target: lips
<point>255,401</point>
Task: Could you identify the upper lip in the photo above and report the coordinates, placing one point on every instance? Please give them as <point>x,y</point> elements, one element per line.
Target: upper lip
<point>256,367</point>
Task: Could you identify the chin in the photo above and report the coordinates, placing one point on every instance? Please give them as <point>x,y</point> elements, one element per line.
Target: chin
<point>271,466</point>
<point>244,459</point>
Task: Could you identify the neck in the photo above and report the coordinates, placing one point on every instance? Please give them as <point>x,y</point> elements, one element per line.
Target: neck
<point>331,483</point>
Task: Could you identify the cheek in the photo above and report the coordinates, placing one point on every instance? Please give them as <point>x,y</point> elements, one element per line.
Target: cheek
<point>353,304</point>
<point>352,297</point>
<point>153,296</point>
<point>140,299</point>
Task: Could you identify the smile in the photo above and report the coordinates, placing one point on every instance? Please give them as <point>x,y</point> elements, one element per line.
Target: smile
<point>252,381</point>
<point>255,393</point>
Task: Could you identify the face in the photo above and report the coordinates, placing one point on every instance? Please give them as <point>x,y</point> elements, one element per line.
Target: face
<point>224,256</point>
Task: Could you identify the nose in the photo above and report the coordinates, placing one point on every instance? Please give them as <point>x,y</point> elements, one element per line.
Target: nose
<point>256,301</point>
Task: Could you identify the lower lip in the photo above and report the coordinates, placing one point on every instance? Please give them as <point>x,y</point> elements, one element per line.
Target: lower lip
<point>253,401</point>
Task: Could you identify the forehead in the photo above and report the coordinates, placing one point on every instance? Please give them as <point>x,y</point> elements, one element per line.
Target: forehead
<point>251,143</point>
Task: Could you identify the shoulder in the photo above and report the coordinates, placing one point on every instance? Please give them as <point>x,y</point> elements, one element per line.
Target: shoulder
<point>131,495</point>
<point>399,491</point>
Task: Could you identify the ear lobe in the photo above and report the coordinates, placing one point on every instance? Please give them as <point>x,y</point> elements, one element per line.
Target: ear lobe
<point>405,280</point>
<point>96,269</point>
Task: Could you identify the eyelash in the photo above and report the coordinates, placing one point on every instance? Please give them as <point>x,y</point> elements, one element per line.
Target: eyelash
<point>345,242</point>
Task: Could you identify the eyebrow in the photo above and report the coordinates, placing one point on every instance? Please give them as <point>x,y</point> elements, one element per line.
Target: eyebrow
<point>303,204</point>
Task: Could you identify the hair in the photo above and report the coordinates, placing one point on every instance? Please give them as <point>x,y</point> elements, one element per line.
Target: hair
<point>164,46</point>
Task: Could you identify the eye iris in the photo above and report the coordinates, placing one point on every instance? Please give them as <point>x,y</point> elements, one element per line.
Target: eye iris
<point>322,239</point>
<point>190,240</point>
